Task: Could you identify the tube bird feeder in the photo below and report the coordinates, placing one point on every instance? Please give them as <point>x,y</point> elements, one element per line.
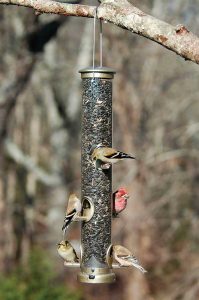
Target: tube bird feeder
<point>96,184</point>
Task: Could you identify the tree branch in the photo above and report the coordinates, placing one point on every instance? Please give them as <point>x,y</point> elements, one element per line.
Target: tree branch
<point>29,164</point>
<point>177,39</point>
<point>53,7</point>
<point>123,14</point>
<point>12,92</point>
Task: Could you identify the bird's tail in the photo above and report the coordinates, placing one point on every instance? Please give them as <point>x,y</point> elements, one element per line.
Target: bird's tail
<point>67,221</point>
<point>136,264</point>
<point>123,155</point>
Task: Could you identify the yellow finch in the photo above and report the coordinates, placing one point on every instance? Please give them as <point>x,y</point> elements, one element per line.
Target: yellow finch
<point>67,252</point>
<point>125,258</point>
<point>107,156</point>
<point>73,210</point>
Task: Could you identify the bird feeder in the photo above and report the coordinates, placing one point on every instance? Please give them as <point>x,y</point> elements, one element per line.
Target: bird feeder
<point>95,208</point>
<point>95,211</point>
<point>96,183</point>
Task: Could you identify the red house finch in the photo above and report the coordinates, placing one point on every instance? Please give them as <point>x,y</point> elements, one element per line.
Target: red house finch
<point>119,201</point>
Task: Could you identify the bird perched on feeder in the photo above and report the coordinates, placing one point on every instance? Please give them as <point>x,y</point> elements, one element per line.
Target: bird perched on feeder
<point>72,212</point>
<point>119,201</point>
<point>125,258</point>
<point>67,252</point>
<point>107,156</point>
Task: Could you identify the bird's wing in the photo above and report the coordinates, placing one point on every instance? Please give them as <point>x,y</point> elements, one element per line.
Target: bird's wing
<point>76,257</point>
<point>119,155</point>
<point>70,214</point>
<point>109,152</point>
<point>131,258</point>
<point>136,264</point>
<point>122,251</point>
<point>71,205</point>
<point>72,253</point>
<point>124,257</point>
<point>68,218</point>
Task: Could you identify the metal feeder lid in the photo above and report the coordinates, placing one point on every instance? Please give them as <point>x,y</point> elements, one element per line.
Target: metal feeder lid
<point>99,72</point>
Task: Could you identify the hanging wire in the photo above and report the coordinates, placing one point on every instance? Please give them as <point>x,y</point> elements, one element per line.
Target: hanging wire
<point>101,43</point>
<point>94,38</point>
<point>94,41</point>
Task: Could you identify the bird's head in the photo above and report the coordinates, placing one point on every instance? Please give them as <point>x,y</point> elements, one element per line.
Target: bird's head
<point>73,197</point>
<point>122,192</point>
<point>95,147</point>
<point>63,245</point>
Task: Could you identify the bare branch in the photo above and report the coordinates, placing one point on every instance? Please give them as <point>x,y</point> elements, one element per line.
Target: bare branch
<point>53,7</point>
<point>123,14</point>
<point>28,163</point>
<point>177,39</point>
<point>169,155</point>
<point>13,91</point>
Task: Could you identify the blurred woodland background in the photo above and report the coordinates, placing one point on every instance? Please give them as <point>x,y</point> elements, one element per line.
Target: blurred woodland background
<point>156,117</point>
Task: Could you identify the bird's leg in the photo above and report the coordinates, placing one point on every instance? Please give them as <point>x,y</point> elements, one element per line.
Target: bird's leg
<point>78,218</point>
<point>72,264</point>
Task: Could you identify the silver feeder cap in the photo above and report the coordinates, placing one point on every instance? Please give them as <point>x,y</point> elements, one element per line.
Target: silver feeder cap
<point>97,72</point>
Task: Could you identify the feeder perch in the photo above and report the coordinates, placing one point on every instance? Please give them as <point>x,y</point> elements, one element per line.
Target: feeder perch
<point>96,266</point>
<point>72,265</point>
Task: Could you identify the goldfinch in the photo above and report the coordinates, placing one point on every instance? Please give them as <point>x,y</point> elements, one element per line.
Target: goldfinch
<point>107,156</point>
<point>72,212</point>
<point>119,201</point>
<point>125,258</point>
<point>67,252</point>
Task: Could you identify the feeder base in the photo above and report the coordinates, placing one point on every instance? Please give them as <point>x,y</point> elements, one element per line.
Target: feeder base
<point>96,275</point>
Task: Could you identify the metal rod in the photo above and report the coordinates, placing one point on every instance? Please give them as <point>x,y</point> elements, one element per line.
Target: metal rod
<point>96,184</point>
<point>101,44</point>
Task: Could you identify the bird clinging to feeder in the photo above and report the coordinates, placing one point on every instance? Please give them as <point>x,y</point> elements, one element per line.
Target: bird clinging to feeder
<point>72,212</point>
<point>105,156</point>
<point>67,252</point>
<point>120,198</point>
<point>125,258</point>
